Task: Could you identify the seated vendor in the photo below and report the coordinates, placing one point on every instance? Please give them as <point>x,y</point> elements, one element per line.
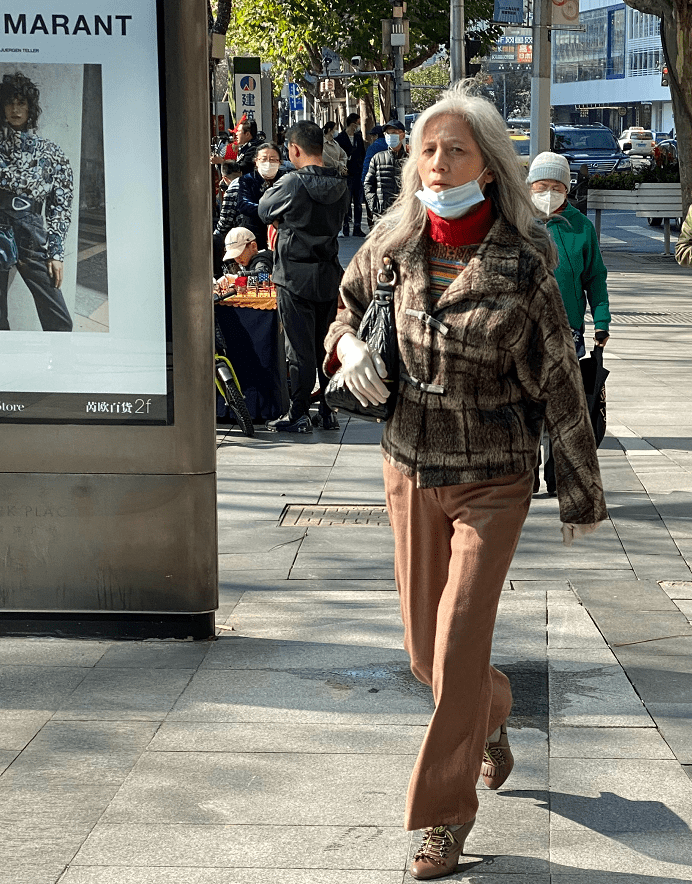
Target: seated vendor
<point>241,248</point>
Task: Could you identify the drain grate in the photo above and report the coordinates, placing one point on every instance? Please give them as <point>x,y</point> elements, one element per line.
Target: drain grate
<point>334,516</point>
<point>625,317</point>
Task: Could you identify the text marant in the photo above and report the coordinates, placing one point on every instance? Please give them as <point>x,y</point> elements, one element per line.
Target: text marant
<point>58,25</point>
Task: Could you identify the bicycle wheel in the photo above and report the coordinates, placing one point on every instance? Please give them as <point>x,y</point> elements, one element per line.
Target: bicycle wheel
<point>234,399</point>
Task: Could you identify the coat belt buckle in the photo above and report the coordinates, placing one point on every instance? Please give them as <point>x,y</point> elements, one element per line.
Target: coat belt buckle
<point>20,204</point>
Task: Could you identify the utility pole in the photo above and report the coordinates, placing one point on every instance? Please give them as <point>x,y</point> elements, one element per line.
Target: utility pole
<point>540,78</point>
<point>395,32</point>
<point>457,59</point>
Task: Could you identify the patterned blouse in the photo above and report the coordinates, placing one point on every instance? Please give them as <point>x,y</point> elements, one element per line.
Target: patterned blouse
<point>37,169</point>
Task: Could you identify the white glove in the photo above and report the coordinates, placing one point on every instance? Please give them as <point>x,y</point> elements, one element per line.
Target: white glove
<point>361,370</point>
<point>571,532</point>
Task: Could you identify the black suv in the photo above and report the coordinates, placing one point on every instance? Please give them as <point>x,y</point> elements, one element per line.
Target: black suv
<point>592,145</point>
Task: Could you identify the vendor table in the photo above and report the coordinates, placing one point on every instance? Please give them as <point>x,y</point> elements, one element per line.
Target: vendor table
<point>255,346</point>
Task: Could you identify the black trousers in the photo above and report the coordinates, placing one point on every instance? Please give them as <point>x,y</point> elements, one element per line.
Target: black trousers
<point>355,189</point>
<point>305,326</point>
<point>30,235</point>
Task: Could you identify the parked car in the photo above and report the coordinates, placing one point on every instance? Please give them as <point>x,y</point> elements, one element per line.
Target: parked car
<point>521,144</point>
<point>637,141</point>
<point>590,149</point>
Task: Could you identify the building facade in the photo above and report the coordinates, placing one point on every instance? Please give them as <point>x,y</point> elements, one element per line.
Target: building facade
<point>610,72</point>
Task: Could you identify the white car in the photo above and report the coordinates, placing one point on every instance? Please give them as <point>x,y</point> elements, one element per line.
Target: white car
<point>638,142</point>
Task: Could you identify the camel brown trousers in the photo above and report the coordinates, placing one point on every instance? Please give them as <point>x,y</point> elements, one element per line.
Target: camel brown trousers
<point>453,549</point>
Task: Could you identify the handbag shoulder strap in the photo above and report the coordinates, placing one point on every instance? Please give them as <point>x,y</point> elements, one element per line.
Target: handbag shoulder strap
<point>386,281</point>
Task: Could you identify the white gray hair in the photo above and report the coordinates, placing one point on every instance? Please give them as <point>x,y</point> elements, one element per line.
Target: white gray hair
<point>508,191</point>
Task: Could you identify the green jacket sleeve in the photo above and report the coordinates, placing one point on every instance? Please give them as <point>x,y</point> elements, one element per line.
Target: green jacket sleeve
<point>683,250</point>
<point>594,280</point>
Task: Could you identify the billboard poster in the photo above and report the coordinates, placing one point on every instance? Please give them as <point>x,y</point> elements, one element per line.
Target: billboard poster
<point>509,11</point>
<point>83,229</point>
<point>248,89</point>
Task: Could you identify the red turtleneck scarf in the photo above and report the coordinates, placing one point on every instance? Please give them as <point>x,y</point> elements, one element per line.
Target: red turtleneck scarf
<point>454,242</point>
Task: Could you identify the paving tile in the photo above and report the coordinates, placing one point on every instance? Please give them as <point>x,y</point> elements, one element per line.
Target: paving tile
<point>571,627</point>
<point>17,872</point>
<point>263,789</point>
<point>589,689</point>
<point>18,727</point>
<point>51,652</point>
<point>274,581</point>
<point>37,689</point>
<point>602,572</point>
<point>604,742</point>
<point>657,855</point>
<point>660,567</point>
<point>365,739</point>
<point>81,753</point>
<point>572,875</point>
<point>124,694</point>
<point>233,651</point>
<point>685,606</point>
<point>27,843</point>
<point>7,756</point>
<point>154,655</point>
<point>674,721</point>
<point>271,451</point>
<point>101,875</point>
<point>307,696</point>
<point>657,678</point>
<point>541,545</point>
<point>47,805</point>
<point>622,596</point>
<point>677,589</point>
<point>639,795</point>
<point>227,847</point>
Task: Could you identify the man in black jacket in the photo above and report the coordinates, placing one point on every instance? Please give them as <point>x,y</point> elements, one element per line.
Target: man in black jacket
<point>383,179</point>
<point>248,142</point>
<point>352,142</point>
<point>308,208</point>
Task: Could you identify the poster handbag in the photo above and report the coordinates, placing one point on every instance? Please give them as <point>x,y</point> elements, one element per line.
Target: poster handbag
<point>8,248</point>
<point>378,330</point>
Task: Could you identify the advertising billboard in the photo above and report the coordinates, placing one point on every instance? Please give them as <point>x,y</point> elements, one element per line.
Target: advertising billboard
<point>83,228</point>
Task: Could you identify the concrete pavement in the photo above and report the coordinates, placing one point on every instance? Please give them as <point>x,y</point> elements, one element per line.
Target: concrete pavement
<point>281,751</point>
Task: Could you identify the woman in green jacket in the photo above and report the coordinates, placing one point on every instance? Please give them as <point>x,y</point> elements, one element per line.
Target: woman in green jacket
<point>580,274</point>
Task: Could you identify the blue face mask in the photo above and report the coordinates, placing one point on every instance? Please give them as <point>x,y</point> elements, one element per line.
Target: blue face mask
<point>392,139</point>
<point>454,202</point>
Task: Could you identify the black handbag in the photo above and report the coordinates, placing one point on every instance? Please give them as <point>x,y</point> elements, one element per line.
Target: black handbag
<point>594,376</point>
<point>8,248</point>
<point>378,330</point>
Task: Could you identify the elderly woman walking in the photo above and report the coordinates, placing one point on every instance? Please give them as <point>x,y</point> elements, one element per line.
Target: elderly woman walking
<point>486,358</point>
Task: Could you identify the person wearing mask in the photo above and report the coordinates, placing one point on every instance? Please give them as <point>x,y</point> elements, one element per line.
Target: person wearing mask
<point>581,274</point>
<point>256,183</point>
<point>486,357</point>
<point>247,143</point>
<point>376,146</point>
<point>352,142</point>
<point>308,207</point>
<point>383,178</point>
<point>333,154</point>
<point>228,216</point>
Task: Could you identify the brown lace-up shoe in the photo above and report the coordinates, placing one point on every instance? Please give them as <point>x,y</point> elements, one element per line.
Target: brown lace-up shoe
<point>439,852</point>
<point>498,761</point>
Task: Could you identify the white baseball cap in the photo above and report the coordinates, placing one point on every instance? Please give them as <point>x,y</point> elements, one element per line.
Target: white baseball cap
<point>236,242</point>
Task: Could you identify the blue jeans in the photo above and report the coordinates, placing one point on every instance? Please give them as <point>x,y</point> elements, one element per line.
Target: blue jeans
<point>32,266</point>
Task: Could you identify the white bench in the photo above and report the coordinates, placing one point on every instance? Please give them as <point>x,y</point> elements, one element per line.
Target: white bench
<point>647,201</point>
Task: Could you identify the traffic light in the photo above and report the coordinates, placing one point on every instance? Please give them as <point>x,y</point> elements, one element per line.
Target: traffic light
<point>664,75</point>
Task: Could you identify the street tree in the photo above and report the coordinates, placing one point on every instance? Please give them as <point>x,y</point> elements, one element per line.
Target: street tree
<point>510,91</point>
<point>291,33</point>
<point>676,37</point>
<point>436,74</point>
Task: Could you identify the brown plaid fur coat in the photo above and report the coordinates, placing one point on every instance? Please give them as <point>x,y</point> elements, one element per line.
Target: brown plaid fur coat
<point>506,363</point>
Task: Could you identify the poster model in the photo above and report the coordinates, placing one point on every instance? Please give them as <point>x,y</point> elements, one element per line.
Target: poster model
<point>83,232</point>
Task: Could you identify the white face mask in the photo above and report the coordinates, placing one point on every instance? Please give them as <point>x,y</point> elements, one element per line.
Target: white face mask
<point>454,202</point>
<point>392,139</point>
<point>268,170</point>
<point>548,201</point>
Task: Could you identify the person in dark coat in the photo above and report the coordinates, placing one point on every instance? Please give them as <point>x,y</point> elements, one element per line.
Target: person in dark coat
<point>383,178</point>
<point>352,142</point>
<point>252,186</point>
<point>378,144</point>
<point>308,207</point>
<point>248,141</point>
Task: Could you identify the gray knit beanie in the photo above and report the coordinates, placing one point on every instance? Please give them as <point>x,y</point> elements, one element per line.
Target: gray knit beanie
<point>549,165</point>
